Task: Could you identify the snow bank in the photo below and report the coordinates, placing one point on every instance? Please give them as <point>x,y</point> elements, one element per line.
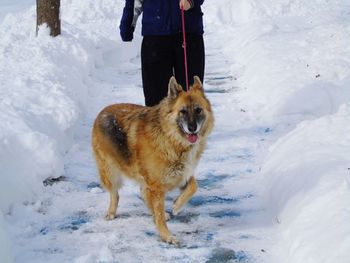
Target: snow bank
<point>44,90</point>
<point>292,68</point>
<point>308,188</point>
<point>240,12</point>
<point>43,94</point>
<point>39,106</point>
<point>285,53</point>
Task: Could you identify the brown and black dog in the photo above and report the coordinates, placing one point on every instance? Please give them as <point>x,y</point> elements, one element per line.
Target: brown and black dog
<point>159,147</point>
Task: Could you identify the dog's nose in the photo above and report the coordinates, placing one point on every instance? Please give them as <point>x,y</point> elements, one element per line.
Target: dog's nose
<point>192,127</point>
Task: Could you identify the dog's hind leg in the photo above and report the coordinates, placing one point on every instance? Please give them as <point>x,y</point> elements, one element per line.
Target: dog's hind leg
<point>116,183</point>
<point>187,192</point>
<point>111,180</point>
<point>113,204</point>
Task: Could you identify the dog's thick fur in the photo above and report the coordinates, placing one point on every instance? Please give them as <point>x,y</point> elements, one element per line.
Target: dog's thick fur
<point>157,146</point>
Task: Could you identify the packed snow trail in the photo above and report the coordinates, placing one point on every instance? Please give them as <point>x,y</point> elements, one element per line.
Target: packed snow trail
<point>220,223</point>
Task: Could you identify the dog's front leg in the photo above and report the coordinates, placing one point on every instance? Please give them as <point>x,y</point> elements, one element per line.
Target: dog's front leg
<point>149,205</point>
<point>155,200</point>
<point>187,192</point>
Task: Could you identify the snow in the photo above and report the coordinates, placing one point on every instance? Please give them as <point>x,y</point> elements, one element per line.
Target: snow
<point>308,187</point>
<point>274,181</point>
<point>9,6</point>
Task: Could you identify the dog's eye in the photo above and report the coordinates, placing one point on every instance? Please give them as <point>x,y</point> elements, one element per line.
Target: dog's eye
<point>183,111</point>
<point>198,110</point>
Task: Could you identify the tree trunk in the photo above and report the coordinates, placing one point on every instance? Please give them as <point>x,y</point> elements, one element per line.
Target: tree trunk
<point>48,11</point>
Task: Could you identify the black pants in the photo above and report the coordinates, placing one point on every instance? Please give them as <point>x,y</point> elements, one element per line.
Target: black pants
<point>163,57</point>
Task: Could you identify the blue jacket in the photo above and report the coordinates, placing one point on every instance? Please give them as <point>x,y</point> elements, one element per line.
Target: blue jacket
<point>160,17</point>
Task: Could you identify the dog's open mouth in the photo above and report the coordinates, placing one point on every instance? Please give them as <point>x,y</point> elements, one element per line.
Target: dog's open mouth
<point>192,138</point>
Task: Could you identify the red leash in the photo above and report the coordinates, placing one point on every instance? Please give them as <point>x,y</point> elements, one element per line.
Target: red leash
<point>184,44</point>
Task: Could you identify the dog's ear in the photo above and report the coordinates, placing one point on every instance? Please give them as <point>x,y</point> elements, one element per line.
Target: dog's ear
<point>197,84</point>
<point>174,89</point>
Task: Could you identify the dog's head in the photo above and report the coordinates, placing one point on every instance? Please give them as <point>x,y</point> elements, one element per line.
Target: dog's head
<point>189,111</point>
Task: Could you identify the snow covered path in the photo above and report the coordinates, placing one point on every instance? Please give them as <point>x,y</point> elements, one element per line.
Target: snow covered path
<point>222,222</point>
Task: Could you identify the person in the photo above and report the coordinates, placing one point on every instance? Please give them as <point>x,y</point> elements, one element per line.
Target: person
<point>162,54</point>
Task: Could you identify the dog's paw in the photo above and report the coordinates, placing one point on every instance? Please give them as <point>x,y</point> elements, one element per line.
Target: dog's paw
<point>167,216</point>
<point>172,240</point>
<point>176,209</point>
<point>109,216</point>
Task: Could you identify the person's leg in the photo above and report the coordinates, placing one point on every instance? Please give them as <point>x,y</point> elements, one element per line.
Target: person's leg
<point>195,58</point>
<point>157,67</point>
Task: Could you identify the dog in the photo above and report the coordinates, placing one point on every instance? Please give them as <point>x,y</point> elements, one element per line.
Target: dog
<point>159,147</point>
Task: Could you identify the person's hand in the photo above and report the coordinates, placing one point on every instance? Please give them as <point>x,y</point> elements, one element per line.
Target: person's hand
<point>185,4</point>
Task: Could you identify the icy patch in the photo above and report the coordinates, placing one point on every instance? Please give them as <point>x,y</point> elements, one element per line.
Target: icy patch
<point>220,254</point>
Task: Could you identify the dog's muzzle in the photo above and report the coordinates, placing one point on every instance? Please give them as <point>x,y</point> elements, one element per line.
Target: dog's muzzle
<point>191,131</point>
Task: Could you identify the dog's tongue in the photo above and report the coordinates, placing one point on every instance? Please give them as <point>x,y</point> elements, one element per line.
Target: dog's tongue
<point>192,138</point>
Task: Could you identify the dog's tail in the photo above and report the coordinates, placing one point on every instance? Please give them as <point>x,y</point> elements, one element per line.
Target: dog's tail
<point>114,131</point>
